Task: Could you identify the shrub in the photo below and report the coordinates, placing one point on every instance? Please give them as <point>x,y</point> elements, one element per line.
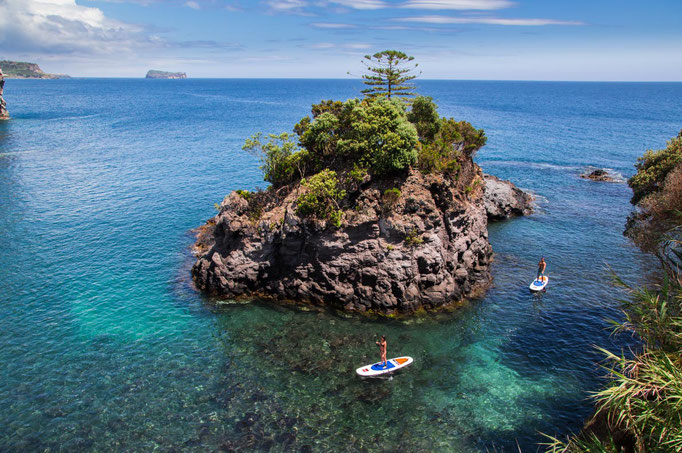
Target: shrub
<point>424,116</point>
<point>282,160</point>
<point>390,198</point>
<point>321,198</point>
<point>245,194</point>
<point>413,239</point>
<point>653,167</point>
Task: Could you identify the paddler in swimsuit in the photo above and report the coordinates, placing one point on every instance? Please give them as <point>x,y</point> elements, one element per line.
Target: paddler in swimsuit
<point>542,265</point>
<point>382,349</point>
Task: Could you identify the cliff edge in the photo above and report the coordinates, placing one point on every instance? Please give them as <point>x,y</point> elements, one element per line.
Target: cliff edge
<point>4,114</point>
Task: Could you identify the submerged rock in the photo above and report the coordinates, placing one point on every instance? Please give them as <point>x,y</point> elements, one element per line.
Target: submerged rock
<point>4,114</point>
<point>598,175</point>
<point>504,200</point>
<point>427,249</point>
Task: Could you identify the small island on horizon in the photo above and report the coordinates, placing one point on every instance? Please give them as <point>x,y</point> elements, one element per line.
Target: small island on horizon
<point>27,70</point>
<point>154,74</point>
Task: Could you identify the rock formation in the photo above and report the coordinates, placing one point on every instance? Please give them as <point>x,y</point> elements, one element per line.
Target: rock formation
<point>430,248</point>
<point>503,200</point>
<point>152,74</point>
<point>24,70</point>
<point>4,114</point>
<point>598,175</point>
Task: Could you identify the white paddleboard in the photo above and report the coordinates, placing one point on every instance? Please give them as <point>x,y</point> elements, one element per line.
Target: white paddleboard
<point>539,284</point>
<point>377,369</point>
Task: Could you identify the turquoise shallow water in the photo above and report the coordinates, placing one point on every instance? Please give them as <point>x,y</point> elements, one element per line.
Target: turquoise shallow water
<point>105,345</point>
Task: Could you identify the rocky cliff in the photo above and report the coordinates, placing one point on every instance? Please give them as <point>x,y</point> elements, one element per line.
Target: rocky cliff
<point>24,70</point>
<point>165,75</point>
<point>429,249</point>
<point>4,114</point>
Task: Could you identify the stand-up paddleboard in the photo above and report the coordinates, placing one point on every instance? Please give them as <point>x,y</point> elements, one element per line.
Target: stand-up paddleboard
<point>377,369</point>
<point>539,284</point>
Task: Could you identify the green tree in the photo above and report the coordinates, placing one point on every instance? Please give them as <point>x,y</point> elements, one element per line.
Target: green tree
<point>282,161</point>
<point>388,74</point>
<point>424,116</point>
<point>653,167</point>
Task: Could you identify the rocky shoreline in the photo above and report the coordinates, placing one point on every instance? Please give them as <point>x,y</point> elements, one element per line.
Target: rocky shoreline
<point>428,250</point>
<point>4,114</point>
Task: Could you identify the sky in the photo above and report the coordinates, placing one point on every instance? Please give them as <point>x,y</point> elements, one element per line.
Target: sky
<point>590,40</point>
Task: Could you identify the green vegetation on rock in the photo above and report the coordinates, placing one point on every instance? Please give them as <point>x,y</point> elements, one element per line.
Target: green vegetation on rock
<point>25,70</point>
<point>321,197</point>
<point>653,167</point>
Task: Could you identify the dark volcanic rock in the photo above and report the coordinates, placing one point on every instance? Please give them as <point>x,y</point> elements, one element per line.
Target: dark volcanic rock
<point>503,199</point>
<point>4,114</point>
<point>367,263</point>
<point>598,175</point>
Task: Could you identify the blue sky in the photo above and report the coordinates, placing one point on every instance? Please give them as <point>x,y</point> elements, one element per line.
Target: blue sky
<point>451,39</point>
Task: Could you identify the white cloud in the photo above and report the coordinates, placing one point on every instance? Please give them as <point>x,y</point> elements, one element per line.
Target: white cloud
<point>361,4</point>
<point>192,4</point>
<point>329,45</point>
<point>487,21</point>
<point>457,4</point>
<point>286,5</point>
<point>332,25</point>
<point>62,26</point>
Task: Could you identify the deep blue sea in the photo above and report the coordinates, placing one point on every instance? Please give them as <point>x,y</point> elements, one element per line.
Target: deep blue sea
<point>106,346</point>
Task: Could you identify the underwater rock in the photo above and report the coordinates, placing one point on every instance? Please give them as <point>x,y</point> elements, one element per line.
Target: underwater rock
<point>504,200</point>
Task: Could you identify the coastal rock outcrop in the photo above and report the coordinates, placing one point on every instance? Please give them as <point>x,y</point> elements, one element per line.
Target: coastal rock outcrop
<point>426,249</point>
<point>503,199</point>
<point>25,70</point>
<point>153,74</point>
<point>4,114</point>
<point>599,175</point>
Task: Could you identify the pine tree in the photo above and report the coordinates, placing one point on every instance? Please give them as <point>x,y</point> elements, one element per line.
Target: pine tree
<point>388,74</point>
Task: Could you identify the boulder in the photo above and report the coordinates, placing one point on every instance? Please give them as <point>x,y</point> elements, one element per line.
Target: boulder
<point>598,175</point>
<point>504,200</point>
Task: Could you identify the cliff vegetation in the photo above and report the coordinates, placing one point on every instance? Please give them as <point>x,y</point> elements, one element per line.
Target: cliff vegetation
<point>640,410</point>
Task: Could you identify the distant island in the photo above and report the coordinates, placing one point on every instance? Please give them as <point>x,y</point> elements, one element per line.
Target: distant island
<point>153,74</point>
<point>25,70</point>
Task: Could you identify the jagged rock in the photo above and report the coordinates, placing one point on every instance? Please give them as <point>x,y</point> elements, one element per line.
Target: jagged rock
<point>598,175</point>
<point>503,199</point>
<point>366,264</point>
<point>152,74</point>
<point>4,114</point>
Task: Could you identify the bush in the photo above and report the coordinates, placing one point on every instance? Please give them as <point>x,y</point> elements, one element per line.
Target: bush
<point>390,198</point>
<point>282,160</point>
<point>321,198</point>
<point>424,116</point>
<point>413,239</point>
<point>653,167</point>
<point>245,194</point>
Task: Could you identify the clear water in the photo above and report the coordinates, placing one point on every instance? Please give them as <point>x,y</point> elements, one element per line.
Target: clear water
<point>104,344</point>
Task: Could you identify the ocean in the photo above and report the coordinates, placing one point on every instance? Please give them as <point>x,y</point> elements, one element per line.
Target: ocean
<point>106,346</point>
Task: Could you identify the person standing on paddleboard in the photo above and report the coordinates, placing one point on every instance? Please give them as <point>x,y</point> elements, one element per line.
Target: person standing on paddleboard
<point>382,348</point>
<point>542,265</point>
